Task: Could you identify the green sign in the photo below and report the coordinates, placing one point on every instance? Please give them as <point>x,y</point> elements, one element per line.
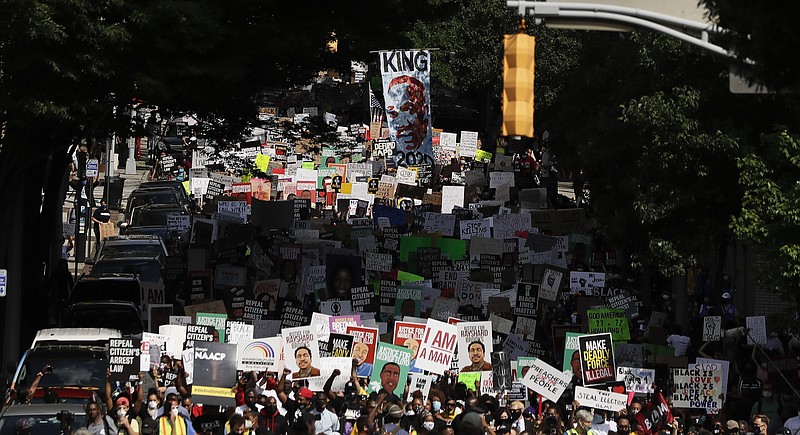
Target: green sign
<point>611,320</point>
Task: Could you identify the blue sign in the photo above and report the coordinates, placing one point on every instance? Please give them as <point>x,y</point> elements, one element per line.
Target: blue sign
<point>3,274</point>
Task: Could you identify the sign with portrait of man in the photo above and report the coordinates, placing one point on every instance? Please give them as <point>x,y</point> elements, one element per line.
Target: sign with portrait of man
<point>406,90</point>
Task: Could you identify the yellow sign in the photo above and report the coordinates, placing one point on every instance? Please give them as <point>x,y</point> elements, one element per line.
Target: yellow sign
<point>262,162</point>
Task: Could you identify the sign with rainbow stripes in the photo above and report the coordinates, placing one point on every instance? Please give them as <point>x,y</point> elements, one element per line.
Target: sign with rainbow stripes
<point>260,354</point>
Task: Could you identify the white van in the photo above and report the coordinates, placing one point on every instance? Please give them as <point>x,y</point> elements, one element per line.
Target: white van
<point>78,357</point>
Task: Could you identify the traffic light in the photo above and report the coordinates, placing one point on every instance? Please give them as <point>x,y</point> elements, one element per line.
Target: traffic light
<point>518,75</point>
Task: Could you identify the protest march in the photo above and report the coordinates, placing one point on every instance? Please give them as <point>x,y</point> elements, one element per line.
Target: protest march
<point>407,280</point>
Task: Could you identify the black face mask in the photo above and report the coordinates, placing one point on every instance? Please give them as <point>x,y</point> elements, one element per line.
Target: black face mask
<point>319,406</point>
<point>515,414</point>
<point>271,409</point>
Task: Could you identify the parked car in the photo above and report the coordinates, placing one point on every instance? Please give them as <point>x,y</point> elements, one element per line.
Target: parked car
<point>107,286</point>
<point>150,196</point>
<point>153,220</point>
<point>139,244</point>
<point>42,419</point>
<point>78,357</point>
<point>121,315</point>
<point>175,185</point>
<point>147,267</point>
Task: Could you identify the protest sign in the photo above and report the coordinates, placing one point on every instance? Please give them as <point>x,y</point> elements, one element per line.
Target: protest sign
<point>123,360</point>
<point>712,328</point>
<point>236,331</point>
<point>409,301</point>
<point>474,346</point>
<point>475,228</point>
<point>636,380</point>
<point>378,262</point>
<point>301,352</point>
<point>757,330</point>
<point>551,283</point>
<point>201,333</point>
<point>365,342</point>
<point>391,369</point>
<point>723,366</point>
<point>613,321</point>
<point>527,299</point>
<point>339,324</point>
<point>214,373</point>
<point>327,367</point>
<point>363,300</point>
<point>597,358</point>
<point>437,348</point>
<point>600,399</point>
<point>523,365</point>
<point>545,380</point>
<point>571,352</point>
<point>337,346</point>
<point>215,320</point>
<point>586,282</point>
<point>260,354</point>
<point>452,196</point>
<point>409,334</point>
<point>655,415</point>
<point>699,386</point>
<point>501,371</point>
<point>419,382</point>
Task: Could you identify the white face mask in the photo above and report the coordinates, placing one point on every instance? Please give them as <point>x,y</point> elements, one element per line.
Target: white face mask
<point>122,411</point>
<point>248,424</point>
<point>152,404</point>
<point>174,411</point>
<point>428,425</point>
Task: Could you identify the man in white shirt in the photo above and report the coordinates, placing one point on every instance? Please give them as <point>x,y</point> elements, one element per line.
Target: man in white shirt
<point>678,341</point>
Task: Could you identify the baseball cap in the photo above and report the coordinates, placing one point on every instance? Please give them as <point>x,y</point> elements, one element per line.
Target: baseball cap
<point>732,424</point>
<point>726,295</point>
<point>394,411</point>
<point>305,392</point>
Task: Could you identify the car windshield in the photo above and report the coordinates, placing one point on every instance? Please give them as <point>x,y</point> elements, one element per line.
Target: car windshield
<point>111,251</point>
<point>148,270</point>
<point>87,290</point>
<point>73,366</point>
<point>124,319</point>
<point>161,197</point>
<point>36,425</point>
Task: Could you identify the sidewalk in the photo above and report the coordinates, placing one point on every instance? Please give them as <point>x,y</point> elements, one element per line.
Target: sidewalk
<point>132,182</point>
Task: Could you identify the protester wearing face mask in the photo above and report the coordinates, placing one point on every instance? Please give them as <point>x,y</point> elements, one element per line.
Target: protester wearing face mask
<point>583,423</point>
<point>271,418</point>
<point>147,413</point>
<point>125,424</point>
<point>425,425</point>
<point>761,424</point>
<point>515,414</point>
<point>600,425</point>
<point>413,410</point>
<point>172,422</point>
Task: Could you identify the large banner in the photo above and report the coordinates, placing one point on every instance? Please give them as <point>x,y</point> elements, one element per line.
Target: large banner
<point>406,88</point>
<point>214,373</point>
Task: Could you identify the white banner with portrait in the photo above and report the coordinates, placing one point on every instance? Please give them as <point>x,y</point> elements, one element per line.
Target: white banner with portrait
<point>406,88</point>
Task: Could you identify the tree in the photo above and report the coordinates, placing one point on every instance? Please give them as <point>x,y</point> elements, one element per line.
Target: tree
<point>770,213</point>
<point>65,64</point>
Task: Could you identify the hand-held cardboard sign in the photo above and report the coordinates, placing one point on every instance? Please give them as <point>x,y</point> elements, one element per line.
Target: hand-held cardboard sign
<point>545,380</point>
<point>438,346</point>
<point>597,359</point>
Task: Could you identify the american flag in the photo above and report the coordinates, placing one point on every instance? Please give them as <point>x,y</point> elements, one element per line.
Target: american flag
<point>376,111</point>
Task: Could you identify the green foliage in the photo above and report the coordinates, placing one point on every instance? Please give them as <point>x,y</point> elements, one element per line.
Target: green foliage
<point>770,214</point>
